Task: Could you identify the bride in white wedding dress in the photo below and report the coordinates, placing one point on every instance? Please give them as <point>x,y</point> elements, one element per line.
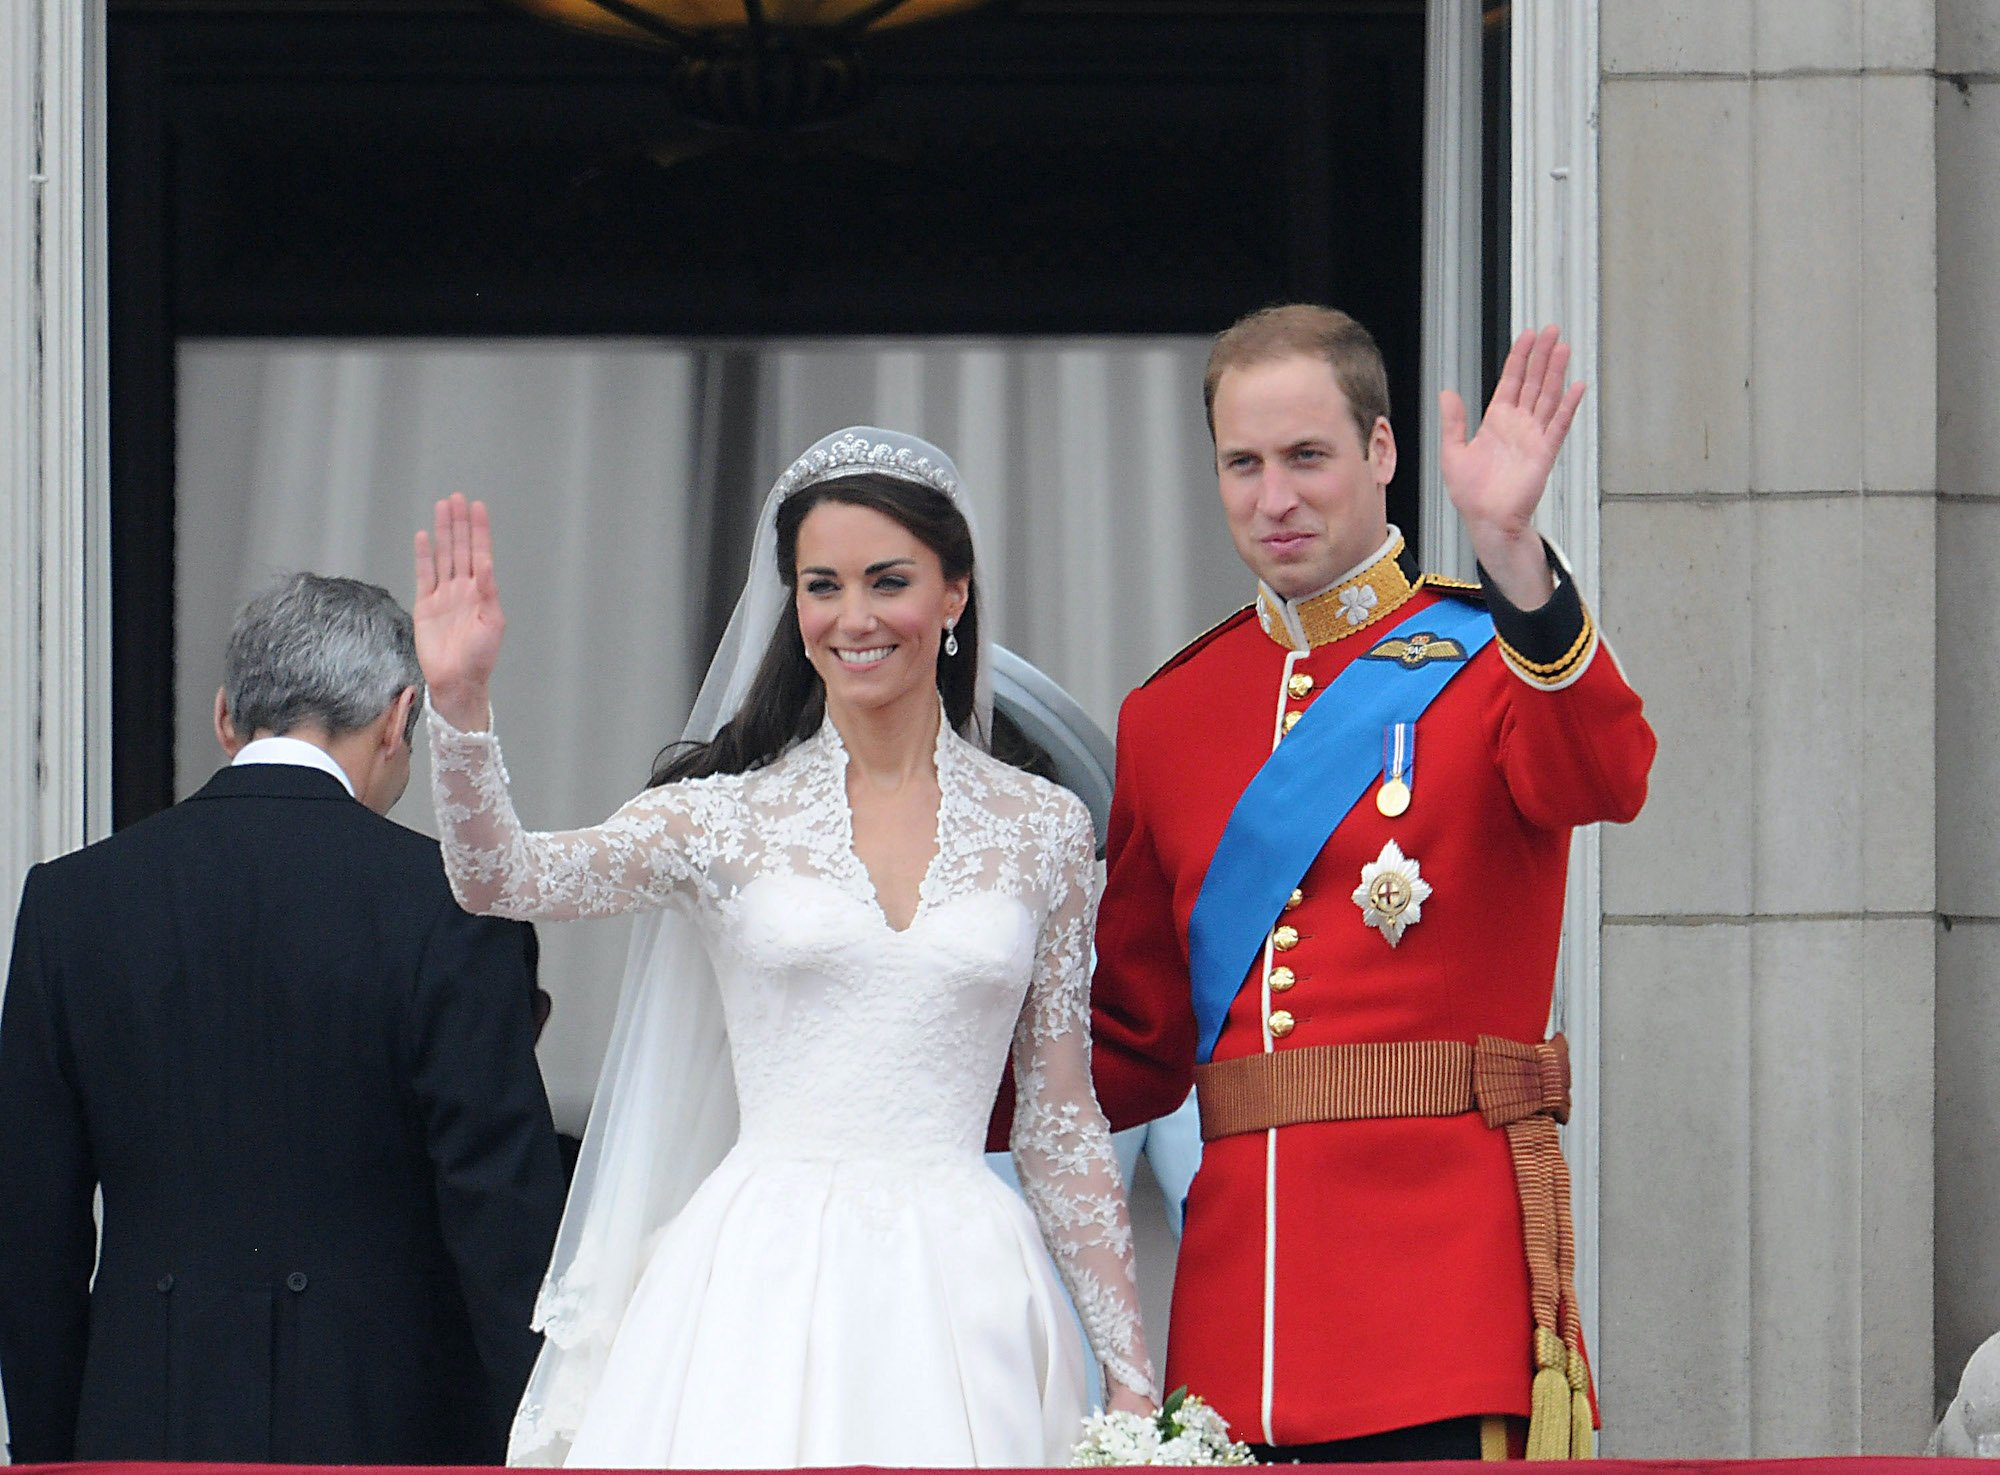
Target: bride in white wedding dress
<point>790,1251</point>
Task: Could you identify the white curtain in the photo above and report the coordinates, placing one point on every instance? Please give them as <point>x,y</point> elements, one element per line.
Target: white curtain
<point>624,478</point>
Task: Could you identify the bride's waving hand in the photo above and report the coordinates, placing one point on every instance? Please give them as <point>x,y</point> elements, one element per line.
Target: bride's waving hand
<point>457,613</point>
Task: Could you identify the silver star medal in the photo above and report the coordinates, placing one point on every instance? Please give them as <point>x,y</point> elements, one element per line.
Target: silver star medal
<point>1392,893</point>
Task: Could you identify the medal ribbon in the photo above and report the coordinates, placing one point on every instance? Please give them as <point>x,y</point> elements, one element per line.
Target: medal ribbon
<point>1399,754</point>
<point>1299,797</point>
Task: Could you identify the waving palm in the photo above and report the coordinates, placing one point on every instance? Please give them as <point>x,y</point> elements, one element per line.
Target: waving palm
<point>1496,479</point>
<point>457,613</point>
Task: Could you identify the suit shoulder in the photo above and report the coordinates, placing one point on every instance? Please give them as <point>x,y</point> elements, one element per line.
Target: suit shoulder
<point>413,843</point>
<point>116,851</point>
<point>1464,591</point>
<point>406,846</point>
<point>1200,643</point>
<point>397,858</point>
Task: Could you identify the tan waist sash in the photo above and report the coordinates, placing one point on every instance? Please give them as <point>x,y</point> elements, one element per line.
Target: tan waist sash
<point>1522,1089</point>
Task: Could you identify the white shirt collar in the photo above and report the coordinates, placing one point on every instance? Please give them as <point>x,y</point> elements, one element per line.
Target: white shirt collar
<point>294,751</point>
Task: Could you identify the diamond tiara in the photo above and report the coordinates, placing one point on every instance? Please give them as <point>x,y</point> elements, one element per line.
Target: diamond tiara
<point>851,455</point>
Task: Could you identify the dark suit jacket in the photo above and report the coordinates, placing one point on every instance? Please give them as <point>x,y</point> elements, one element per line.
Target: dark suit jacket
<point>305,1081</point>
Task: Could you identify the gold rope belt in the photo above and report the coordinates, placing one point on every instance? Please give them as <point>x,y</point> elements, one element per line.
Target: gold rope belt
<point>1522,1089</point>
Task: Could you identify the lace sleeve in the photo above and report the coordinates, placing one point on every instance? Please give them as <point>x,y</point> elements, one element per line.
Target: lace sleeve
<point>1060,1141</point>
<point>649,851</point>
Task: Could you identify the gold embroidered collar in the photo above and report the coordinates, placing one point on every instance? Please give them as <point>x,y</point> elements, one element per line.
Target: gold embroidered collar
<point>1345,607</point>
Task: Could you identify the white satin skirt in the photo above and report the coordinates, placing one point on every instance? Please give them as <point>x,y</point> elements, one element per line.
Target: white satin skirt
<point>841,1312</point>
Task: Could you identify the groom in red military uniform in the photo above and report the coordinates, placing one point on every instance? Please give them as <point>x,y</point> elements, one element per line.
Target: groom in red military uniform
<point>1336,864</point>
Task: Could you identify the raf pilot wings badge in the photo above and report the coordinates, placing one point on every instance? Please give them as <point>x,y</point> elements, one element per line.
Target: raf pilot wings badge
<point>1415,649</point>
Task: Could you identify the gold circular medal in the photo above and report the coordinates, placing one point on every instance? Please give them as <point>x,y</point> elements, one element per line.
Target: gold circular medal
<point>1391,894</point>
<point>1393,797</point>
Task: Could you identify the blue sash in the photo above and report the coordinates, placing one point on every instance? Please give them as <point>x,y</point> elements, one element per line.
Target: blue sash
<point>1302,793</point>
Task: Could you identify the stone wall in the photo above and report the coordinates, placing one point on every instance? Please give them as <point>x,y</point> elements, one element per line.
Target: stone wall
<point>1968,704</point>
<point>1770,551</point>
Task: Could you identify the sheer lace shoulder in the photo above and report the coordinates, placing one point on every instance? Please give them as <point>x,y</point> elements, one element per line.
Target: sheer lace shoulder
<point>1060,1140</point>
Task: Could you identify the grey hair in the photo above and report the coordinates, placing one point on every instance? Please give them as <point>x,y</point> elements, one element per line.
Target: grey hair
<point>327,652</point>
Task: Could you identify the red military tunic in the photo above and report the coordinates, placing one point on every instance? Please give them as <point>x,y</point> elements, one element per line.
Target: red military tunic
<point>1345,1278</point>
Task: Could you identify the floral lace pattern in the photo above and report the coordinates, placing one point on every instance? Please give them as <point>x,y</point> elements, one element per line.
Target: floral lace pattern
<point>852,1040</point>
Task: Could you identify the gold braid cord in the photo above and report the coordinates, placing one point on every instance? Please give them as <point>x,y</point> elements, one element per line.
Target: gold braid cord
<point>1521,1089</point>
<point>1524,1090</point>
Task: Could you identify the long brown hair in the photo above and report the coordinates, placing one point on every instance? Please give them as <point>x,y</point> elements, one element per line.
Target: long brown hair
<point>787,700</point>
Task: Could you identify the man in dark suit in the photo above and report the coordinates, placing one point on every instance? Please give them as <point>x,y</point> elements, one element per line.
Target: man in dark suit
<point>303,1079</point>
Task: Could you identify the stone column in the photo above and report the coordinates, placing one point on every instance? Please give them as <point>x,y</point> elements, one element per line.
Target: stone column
<point>54,509</point>
<point>1968,695</point>
<point>1770,542</point>
<point>1452,357</point>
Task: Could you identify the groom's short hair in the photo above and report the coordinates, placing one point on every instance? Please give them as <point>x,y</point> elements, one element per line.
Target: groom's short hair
<point>1305,330</point>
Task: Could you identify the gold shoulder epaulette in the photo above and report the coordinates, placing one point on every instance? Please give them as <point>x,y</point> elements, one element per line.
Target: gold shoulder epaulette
<point>1188,651</point>
<point>1470,591</point>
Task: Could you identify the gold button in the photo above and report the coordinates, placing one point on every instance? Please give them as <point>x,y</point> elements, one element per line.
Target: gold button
<point>1281,979</point>
<point>1294,899</point>
<point>1292,720</point>
<point>1282,1023</point>
<point>1285,938</point>
<point>1300,686</point>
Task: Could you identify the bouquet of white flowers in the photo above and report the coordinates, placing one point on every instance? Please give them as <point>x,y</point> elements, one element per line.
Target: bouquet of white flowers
<point>1185,1431</point>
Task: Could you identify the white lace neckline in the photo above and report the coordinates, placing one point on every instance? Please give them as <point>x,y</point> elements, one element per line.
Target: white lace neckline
<point>828,752</point>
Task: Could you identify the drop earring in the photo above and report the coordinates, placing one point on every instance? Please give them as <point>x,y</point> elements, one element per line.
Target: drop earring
<point>950,641</point>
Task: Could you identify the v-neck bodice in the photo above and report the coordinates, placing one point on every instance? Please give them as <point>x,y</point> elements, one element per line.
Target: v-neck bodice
<point>941,755</point>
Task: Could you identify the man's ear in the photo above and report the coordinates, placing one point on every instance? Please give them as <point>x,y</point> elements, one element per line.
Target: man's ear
<point>225,725</point>
<point>1382,451</point>
<point>397,719</point>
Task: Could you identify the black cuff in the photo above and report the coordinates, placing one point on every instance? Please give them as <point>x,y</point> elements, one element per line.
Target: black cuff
<point>1548,646</point>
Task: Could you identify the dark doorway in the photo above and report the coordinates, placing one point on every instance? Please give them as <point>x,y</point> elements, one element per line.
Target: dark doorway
<point>422,171</point>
